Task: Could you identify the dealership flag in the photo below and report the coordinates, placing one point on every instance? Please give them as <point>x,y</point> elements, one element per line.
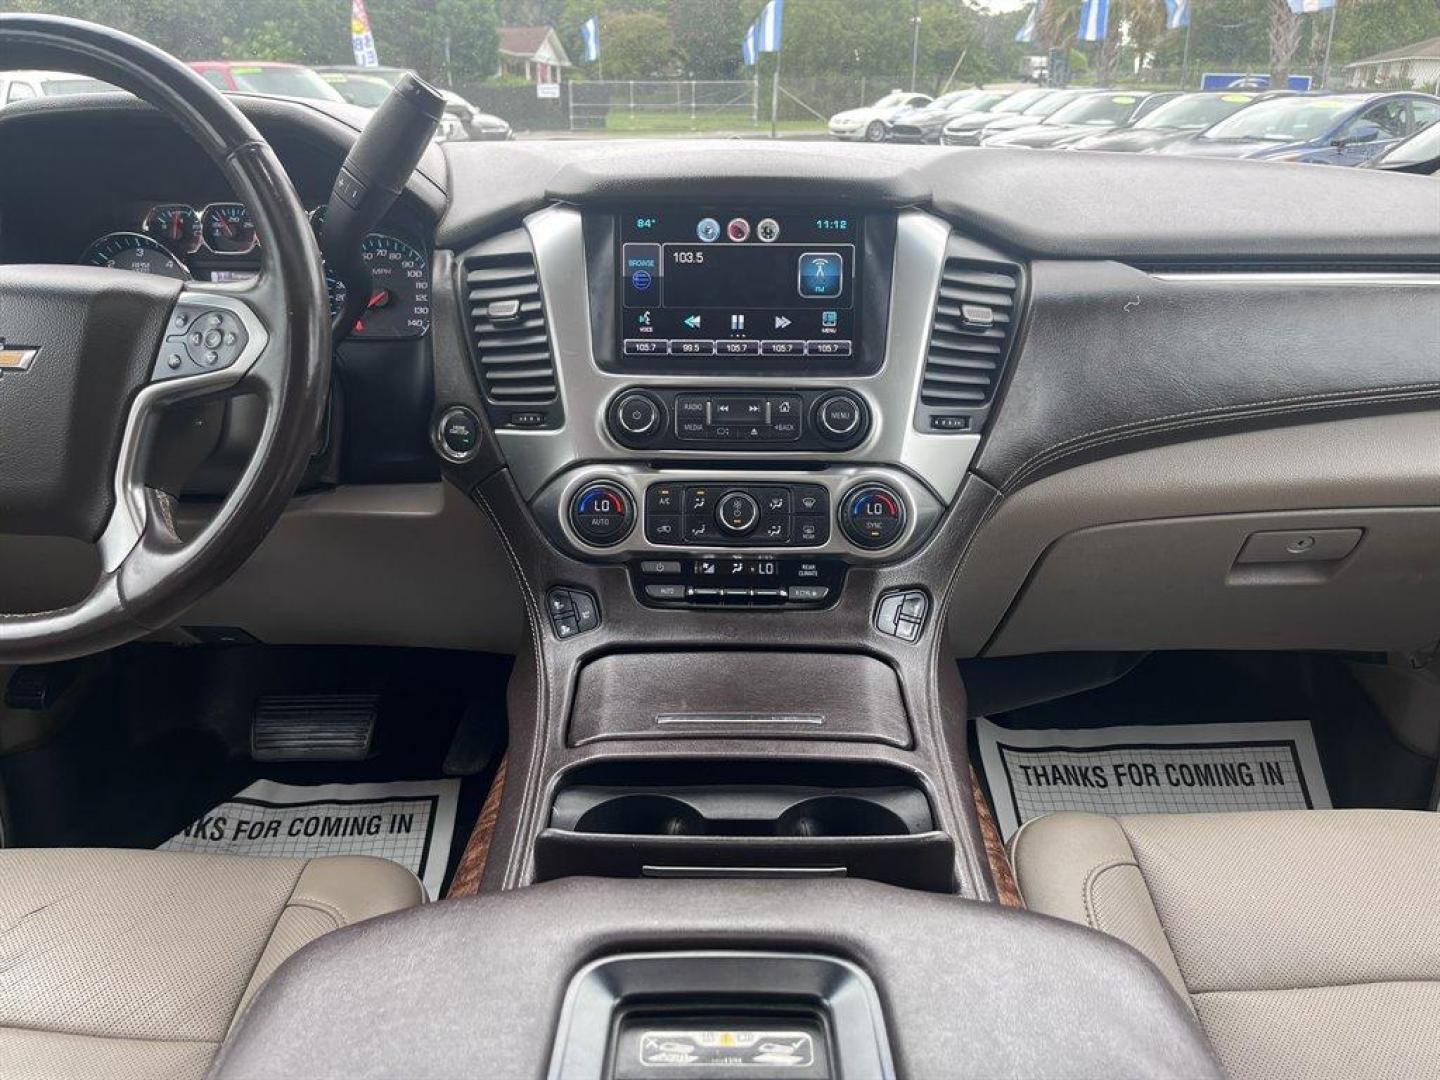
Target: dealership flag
<point>590,33</point>
<point>748,52</point>
<point>1027,32</point>
<point>1094,20</point>
<point>1177,14</point>
<point>767,33</point>
<point>1305,7</point>
<point>361,39</point>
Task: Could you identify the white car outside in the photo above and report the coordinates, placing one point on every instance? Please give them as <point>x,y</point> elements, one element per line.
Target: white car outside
<point>868,123</point>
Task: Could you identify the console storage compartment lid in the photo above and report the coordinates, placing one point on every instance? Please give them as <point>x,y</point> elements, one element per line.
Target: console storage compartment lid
<point>736,694</point>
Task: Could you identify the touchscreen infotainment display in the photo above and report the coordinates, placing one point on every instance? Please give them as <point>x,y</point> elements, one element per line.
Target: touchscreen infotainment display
<point>746,284</point>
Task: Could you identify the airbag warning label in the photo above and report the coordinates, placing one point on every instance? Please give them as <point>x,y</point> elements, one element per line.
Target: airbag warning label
<point>1175,769</point>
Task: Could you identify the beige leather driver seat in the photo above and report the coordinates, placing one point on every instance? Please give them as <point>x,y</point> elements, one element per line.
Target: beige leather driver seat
<point>136,963</point>
<point>1307,942</point>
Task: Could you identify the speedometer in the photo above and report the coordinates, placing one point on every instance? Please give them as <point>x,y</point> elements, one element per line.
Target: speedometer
<point>134,251</point>
<point>399,303</point>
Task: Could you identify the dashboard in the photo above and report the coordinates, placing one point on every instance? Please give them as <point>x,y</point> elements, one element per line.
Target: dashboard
<point>796,380</point>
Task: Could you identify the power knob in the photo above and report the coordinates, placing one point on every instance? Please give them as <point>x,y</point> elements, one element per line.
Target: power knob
<point>636,417</point>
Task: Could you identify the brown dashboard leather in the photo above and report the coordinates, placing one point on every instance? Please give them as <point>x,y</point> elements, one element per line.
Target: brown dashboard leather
<point>1114,358</point>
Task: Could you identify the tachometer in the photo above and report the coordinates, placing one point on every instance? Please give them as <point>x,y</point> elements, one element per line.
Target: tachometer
<point>399,305</point>
<point>227,228</point>
<point>175,225</point>
<point>134,251</point>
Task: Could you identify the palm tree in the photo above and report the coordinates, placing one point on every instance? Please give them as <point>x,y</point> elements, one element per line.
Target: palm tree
<point>1143,21</point>
<point>1284,40</point>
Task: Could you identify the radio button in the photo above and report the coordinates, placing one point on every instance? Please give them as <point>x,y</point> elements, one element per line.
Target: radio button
<point>737,348</point>
<point>782,348</point>
<point>692,347</point>
<point>646,346</point>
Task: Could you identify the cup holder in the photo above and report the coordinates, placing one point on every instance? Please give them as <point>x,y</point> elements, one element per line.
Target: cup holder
<point>840,815</point>
<point>642,815</point>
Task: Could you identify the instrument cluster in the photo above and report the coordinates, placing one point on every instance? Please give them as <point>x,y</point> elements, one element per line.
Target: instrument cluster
<point>218,242</point>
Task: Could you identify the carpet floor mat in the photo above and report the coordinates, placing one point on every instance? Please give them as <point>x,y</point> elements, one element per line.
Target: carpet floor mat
<point>1149,769</point>
<point>408,822</point>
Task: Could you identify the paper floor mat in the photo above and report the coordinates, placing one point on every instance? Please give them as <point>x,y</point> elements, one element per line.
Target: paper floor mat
<point>1163,769</point>
<point>411,823</point>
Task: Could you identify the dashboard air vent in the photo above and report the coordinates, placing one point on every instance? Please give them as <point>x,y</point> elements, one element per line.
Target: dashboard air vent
<point>507,318</point>
<point>971,336</point>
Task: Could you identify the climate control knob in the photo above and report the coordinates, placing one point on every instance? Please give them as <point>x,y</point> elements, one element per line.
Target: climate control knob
<point>842,418</point>
<point>872,516</point>
<point>737,512</point>
<point>602,513</point>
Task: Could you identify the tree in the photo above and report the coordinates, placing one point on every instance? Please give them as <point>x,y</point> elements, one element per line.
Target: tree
<point>1284,40</point>
<point>639,45</point>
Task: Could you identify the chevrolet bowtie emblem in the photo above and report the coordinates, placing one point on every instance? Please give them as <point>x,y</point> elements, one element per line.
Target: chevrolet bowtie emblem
<point>15,358</point>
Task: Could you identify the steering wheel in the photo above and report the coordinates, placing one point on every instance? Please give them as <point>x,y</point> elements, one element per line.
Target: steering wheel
<point>91,356</point>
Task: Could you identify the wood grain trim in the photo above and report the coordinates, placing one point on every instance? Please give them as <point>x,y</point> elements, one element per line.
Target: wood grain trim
<point>477,848</point>
<point>1007,893</point>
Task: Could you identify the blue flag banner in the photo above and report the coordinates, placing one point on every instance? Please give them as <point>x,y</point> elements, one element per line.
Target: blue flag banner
<point>748,52</point>
<point>1177,14</point>
<point>590,34</point>
<point>1027,32</point>
<point>768,26</point>
<point>1094,20</point>
<point>1306,7</point>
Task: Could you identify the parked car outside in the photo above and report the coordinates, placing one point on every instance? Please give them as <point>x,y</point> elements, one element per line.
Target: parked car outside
<point>870,122</point>
<point>24,85</point>
<point>923,125</point>
<point>968,131</point>
<point>266,77</point>
<point>1081,118</point>
<point>465,120</point>
<point>1177,119</point>
<point>1326,129</point>
<point>1419,154</point>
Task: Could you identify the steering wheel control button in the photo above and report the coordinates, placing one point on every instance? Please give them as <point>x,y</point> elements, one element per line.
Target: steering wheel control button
<point>738,512</point>
<point>204,339</point>
<point>872,516</point>
<point>602,514</point>
<point>902,613</point>
<point>458,434</point>
<point>842,418</point>
<point>572,611</point>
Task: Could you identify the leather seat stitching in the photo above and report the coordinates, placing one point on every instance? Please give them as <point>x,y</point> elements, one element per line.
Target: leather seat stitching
<point>1092,911</point>
<point>110,1038</point>
<point>323,906</point>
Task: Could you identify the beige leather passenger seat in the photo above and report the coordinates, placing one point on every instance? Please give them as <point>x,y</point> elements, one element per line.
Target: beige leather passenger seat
<point>1307,942</point>
<point>123,964</point>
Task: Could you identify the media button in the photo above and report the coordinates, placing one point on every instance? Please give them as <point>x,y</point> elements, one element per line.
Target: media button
<point>782,348</point>
<point>692,430</point>
<point>827,348</point>
<point>701,347</point>
<point>737,348</point>
<point>646,346</point>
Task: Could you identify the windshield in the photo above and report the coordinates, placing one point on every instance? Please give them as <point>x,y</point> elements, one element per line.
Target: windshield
<point>1056,101</point>
<point>1283,120</point>
<point>1097,110</point>
<point>1195,111</point>
<point>284,81</point>
<point>1021,100</point>
<point>360,89</point>
<point>955,97</point>
<point>889,101</point>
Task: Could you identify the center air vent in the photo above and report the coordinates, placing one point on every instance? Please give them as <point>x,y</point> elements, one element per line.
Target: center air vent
<point>512,348</point>
<point>974,327</point>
